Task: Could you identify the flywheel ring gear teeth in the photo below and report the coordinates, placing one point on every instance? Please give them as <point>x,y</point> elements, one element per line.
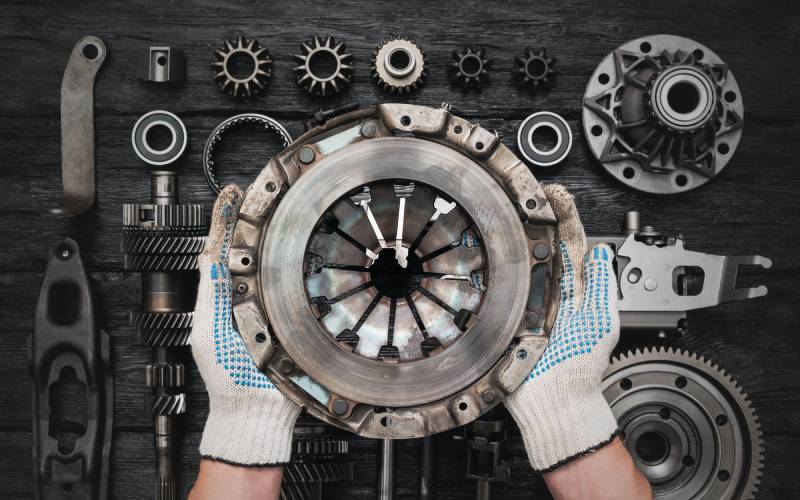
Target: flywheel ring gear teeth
<point>469,68</point>
<point>169,245</point>
<point>154,216</point>
<point>248,85</point>
<point>657,391</point>
<point>323,85</point>
<point>399,80</point>
<point>166,404</point>
<point>158,262</point>
<point>533,70</point>
<point>164,375</point>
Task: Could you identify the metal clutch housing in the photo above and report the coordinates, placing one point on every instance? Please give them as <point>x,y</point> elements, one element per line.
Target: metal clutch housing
<point>411,333</point>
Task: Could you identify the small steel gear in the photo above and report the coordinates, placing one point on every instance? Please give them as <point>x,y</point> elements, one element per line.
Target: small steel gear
<point>688,425</point>
<point>232,81</point>
<point>166,404</point>
<point>399,66</point>
<point>469,68</point>
<point>164,375</point>
<point>534,70</point>
<point>153,215</point>
<point>335,59</point>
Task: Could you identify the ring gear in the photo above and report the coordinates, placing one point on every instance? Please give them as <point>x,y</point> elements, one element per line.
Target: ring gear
<point>663,114</point>
<point>688,425</point>
<point>399,80</point>
<point>323,85</point>
<point>469,68</point>
<point>534,70</point>
<point>248,85</point>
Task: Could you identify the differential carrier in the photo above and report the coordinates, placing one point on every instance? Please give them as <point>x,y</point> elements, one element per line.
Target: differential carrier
<point>393,271</point>
<point>663,114</point>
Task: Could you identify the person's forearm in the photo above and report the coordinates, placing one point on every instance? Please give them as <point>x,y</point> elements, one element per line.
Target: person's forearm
<point>220,480</point>
<point>608,473</point>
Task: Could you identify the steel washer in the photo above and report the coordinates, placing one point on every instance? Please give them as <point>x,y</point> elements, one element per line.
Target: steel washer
<point>154,156</point>
<point>535,155</point>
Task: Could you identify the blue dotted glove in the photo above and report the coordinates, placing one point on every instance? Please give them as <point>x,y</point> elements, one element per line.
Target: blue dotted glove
<point>249,421</point>
<point>560,409</point>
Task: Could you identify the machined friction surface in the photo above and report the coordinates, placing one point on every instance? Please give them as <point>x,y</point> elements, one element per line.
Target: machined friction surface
<point>399,66</point>
<point>242,85</point>
<point>688,425</point>
<point>324,67</point>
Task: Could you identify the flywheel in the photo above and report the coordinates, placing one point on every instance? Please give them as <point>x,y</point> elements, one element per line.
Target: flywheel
<point>393,271</point>
<point>688,425</point>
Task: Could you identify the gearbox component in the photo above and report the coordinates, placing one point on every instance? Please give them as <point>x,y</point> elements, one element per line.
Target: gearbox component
<point>242,68</point>
<point>663,114</point>
<point>399,66</point>
<point>162,240</point>
<point>534,69</point>
<point>159,137</point>
<point>688,425</point>
<point>408,257</point>
<point>263,121</point>
<point>544,123</point>
<point>323,67</point>
<point>469,68</point>
<point>160,64</point>
<point>659,280</point>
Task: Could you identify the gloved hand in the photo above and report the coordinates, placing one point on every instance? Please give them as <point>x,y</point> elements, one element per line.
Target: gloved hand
<point>560,408</point>
<point>249,421</point>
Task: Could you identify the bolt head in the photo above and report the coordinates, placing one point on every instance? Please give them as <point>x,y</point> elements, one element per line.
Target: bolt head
<point>241,288</point>
<point>488,396</point>
<point>339,407</point>
<point>306,154</point>
<point>522,354</point>
<point>285,366</point>
<point>369,130</point>
<point>540,251</point>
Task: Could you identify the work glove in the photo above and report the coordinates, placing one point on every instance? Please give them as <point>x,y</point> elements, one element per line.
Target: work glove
<point>560,409</point>
<point>249,421</point>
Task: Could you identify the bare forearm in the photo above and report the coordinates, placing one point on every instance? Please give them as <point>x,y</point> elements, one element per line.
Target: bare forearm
<point>608,473</point>
<point>219,480</point>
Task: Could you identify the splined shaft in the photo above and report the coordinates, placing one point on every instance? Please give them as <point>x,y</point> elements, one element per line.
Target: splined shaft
<point>162,240</point>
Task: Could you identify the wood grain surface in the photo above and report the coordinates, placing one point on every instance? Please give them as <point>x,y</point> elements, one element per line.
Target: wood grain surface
<point>752,207</point>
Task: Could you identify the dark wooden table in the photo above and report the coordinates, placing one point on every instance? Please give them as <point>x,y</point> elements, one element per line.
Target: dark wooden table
<point>751,208</point>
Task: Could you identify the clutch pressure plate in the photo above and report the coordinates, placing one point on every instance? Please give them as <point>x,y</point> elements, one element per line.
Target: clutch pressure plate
<point>392,271</point>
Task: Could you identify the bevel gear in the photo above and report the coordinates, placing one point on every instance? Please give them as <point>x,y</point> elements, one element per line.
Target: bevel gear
<point>469,68</point>
<point>399,66</point>
<point>329,80</point>
<point>534,69</point>
<point>229,80</point>
<point>687,423</point>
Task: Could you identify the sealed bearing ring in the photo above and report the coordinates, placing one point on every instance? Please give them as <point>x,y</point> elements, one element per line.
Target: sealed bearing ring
<point>533,153</point>
<point>269,124</point>
<point>151,123</point>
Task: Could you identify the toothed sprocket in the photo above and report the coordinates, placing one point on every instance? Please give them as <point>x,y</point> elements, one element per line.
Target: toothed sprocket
<point>399,66</point>
<point>230,80</point>
<point>689,426</point>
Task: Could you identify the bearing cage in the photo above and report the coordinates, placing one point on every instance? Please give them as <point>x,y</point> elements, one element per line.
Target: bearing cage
<point>402,415</point>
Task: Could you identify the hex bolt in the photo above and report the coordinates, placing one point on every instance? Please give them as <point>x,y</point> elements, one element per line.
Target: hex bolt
<point>531,318</point>
<point>369,130</point>
<point>306,155</point>
<point>488,396</point>
<point>522,354</point>
<point>285,366</point>
<point>241,288</point>
<point>540,251</point>
<point>339,407</point>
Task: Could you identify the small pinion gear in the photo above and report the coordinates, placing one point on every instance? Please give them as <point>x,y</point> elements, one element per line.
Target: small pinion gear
<point>323,67</point>
<point>232,80</point>
<point>399,66</point>
<point>534,70</point>
<point>469,68</point>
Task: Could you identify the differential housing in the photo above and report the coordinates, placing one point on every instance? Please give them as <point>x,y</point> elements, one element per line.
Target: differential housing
<point>393,271</point>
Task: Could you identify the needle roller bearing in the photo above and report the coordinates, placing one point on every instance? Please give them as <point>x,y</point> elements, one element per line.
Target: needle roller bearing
<point>392,271</point>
